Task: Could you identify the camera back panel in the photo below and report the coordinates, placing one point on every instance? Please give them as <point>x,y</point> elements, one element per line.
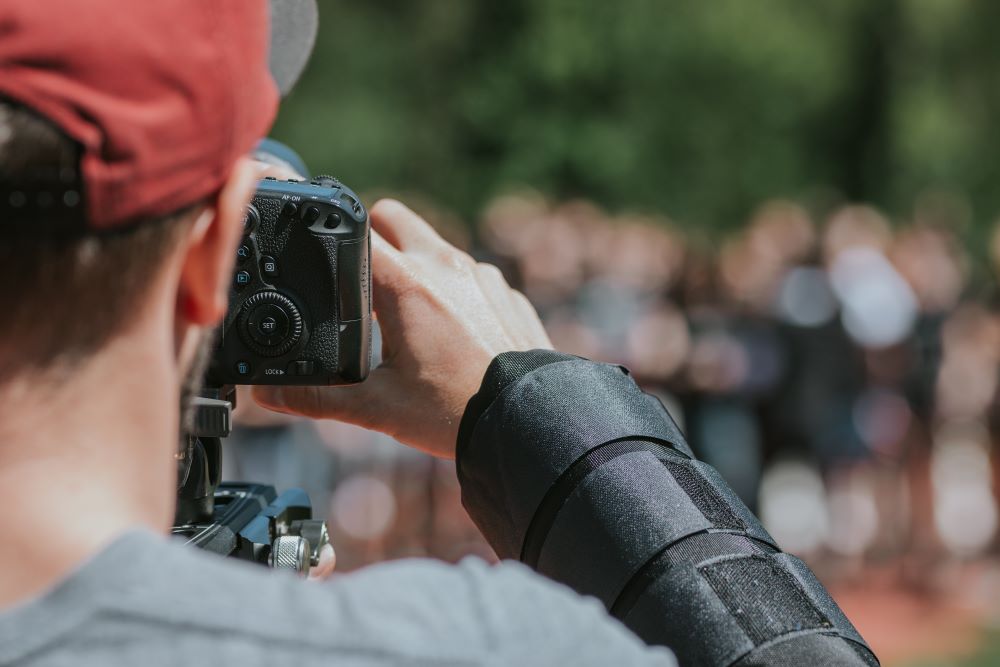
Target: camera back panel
<point>300,301</point>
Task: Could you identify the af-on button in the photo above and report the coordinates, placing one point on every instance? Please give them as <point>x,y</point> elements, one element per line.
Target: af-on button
<point>311,214</point>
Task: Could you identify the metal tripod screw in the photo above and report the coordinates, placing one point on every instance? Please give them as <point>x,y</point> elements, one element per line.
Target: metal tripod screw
<point>291,552</point>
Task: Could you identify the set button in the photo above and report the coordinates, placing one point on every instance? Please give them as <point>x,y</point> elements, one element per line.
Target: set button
<point>268,325</point>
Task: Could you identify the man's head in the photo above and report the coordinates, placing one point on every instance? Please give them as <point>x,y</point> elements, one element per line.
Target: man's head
<point>122,178</point>
<point>71,290</point>
<point>124,134</point>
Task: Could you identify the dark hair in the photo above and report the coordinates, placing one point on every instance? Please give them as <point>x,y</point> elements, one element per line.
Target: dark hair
<point>68,291</point>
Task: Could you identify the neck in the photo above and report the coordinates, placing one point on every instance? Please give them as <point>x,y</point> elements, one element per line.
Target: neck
<point>83,461</point>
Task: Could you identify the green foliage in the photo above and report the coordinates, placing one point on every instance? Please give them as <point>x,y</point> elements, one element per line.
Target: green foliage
<point>699,110</point>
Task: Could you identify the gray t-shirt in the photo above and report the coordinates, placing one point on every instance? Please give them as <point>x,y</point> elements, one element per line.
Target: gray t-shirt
<point>148,601</point>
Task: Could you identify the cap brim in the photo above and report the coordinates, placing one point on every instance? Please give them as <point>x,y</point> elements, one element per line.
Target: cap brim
<point>294,24</point>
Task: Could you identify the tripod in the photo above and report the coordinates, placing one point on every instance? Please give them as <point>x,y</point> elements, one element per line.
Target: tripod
<point>239,519</point>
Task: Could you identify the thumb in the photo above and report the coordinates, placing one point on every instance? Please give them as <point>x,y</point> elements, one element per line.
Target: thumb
<point>327,564</point>
<point>354,404</point>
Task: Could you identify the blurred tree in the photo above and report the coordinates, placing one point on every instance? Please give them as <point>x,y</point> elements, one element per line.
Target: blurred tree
<point>699,110</point>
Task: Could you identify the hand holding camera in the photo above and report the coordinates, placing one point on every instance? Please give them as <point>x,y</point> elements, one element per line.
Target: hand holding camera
<point>443,318</point>
<point>299,320</point>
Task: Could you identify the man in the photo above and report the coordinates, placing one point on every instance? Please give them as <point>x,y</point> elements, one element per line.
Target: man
<point>123,178</point>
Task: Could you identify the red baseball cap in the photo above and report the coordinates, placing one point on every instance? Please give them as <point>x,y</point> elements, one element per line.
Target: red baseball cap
<point>163,97</point>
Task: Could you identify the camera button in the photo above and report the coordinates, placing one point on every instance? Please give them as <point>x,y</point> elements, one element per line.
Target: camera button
<point>242,253</point>
<point>242,279</point>
<point>332,221</point>
<point>289,209</point>
<point>243,368</point>
<point>269,266</point>
<point>269,325</point>
<point>250,218</point>
<point>301,367</point>
<point>311,214</point>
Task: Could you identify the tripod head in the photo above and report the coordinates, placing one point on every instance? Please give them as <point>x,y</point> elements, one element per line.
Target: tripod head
<point>272,341</point>
<point>200,470</point>
<point>239,519</point>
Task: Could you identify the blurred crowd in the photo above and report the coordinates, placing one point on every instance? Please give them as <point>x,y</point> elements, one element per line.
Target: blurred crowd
<point>839,372</point>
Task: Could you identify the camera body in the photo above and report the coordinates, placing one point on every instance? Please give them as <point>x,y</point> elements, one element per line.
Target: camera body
<point>300,302</point>
<point>299,313</point>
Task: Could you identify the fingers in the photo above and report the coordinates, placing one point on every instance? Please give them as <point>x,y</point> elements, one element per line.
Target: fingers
<point>403,228</point>
<point>327,564</point>
<point>498,293</point>
<point>391,277</point>
<point>389,265</point>
<point>515,312</point>
<point>525,313</point>
<point>280,172</point>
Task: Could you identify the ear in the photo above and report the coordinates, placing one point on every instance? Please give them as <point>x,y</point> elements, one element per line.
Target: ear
<point>210,253</point>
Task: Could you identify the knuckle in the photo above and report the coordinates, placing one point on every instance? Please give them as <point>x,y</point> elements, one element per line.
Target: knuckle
<point>521,300</point>
<point>455,259</point>
<point>490,272</point>
<point>386,208</point>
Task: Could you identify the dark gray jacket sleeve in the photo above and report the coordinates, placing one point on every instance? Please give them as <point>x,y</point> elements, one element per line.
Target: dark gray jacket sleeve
<point>569,467</point>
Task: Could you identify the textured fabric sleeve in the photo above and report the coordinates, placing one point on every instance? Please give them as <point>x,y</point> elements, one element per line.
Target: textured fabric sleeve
<point>567,466</point>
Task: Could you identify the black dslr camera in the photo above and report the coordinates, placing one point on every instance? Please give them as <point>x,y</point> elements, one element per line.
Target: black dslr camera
<point>300,303</point>
<point>299,314</point>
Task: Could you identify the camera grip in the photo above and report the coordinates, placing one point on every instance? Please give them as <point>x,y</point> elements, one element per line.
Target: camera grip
<point>355,308</point>
<point>354,294</point>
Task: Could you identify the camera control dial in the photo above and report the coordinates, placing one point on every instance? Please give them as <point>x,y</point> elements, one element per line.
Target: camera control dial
<point>270,324</point>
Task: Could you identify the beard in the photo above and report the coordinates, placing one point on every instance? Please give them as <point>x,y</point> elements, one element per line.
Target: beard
<point>194,378</point>
<point>190,387</point>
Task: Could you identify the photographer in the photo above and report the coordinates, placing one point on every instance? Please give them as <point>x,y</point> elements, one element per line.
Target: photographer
<point>123,180</point>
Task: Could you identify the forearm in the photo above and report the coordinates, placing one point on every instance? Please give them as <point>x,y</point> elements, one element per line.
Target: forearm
<point>566,465</point>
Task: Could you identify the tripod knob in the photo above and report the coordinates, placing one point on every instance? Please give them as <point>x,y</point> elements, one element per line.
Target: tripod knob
<point>316,532</point>
<point>290,552</point>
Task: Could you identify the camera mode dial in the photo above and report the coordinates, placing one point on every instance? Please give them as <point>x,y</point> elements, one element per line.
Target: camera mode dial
<point>270,323</point>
